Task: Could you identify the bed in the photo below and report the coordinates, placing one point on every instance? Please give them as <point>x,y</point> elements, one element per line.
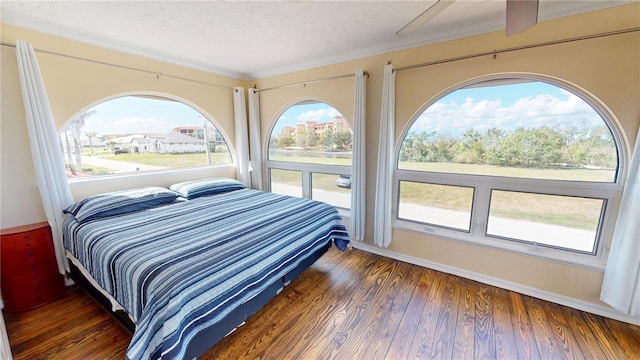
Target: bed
<point>189,264</point>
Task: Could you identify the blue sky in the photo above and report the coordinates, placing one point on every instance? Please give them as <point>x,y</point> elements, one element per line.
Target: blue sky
<point>132,114</point>
<point>528,105</point>
<point>318,112</point>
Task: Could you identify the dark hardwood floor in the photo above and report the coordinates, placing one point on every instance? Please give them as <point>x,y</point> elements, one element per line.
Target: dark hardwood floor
<point>356,305</point>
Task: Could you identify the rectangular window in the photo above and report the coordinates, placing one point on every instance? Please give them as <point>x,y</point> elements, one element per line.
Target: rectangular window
<point>286,182</point>
<point>440,205</point>
<point>559,221</point>
<point>332,189</point>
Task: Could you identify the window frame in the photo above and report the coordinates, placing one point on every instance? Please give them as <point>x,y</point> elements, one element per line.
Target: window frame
<point>611,192</point>
<point>307,169</point>
<point>176,171</point>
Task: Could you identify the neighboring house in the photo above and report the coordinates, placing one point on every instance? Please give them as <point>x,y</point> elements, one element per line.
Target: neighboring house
<point>338,124</point>
<point>142,145</point>
<point>174,143</point>
<point>198,132</point>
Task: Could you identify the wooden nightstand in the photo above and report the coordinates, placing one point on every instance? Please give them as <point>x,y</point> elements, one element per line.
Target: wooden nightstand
<point>29,272</point>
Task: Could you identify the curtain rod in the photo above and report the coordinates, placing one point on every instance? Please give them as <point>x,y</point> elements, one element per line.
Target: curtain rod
<point>495,52</point>
<point>304,83</point>
<point>157,74</point>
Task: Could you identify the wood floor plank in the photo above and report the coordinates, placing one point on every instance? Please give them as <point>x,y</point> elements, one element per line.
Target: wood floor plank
<point>447,318</point>
<point>465,327</point>
<point>606,340</point>
<point>355,305</point>
<point>321,320</point>
<point>585,338</point>
<point>380,329</point>
<point>627,338</point>
<point>544,333</point>
<point>563,335</point>
<point>320,306</point>
<point>410,322</point>
<point>66,329</point>
<point>525,340</point>
<point>348,315</point>
<point>485,345</point>
<point>505,339</point>
<point>423,339</point>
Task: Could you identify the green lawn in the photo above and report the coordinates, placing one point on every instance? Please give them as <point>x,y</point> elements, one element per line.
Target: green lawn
<point>557,210</point>
<point>318,180</point>
<point>535,173</point>
<point>312,160</point>
<point>172,160</point>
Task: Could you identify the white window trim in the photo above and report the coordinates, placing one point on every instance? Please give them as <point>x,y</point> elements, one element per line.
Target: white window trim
<point>307,169</point>
<point>137,175</point>
<point>483,184</point>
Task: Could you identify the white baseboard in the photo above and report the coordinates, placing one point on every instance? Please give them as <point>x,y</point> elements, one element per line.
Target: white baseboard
<point>582,305</point>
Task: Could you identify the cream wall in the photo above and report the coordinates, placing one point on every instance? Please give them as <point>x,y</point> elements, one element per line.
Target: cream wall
<point>72,86</point>
<point>608,68</point>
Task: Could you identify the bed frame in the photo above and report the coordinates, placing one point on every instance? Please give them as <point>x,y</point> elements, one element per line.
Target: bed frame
<point>205,340</point>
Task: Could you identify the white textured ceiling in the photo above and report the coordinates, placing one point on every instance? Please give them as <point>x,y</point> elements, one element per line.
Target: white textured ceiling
<point>253,39</point>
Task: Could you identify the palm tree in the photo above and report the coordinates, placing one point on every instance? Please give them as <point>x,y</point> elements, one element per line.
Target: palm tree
<point>75,126</point>
<point>90,135</point>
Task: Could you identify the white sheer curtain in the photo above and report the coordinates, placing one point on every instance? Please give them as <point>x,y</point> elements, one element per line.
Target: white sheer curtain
<point>621,284</point>
<point>47,158</point>
<point>384,179</point>
<point>255,138</point>
<point>358,175</point>
<point>242,136</point>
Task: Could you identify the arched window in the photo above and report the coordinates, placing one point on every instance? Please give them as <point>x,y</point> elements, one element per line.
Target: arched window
<point>138,133</point>
<point>310,148</point>
<point>517,163</point>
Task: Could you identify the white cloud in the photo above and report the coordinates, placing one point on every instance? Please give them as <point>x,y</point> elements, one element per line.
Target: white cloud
<point>451,117</point>
<point>320,115</point>
<point>128,125</point>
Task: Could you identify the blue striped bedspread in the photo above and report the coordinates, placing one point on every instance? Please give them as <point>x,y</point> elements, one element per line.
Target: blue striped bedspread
<point>181,268</point>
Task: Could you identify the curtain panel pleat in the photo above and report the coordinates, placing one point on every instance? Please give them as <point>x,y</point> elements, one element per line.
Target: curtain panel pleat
<point>48,160</point>
<point>255,139</point>
<point>358,175</point>
<point>242,136</point>
<point>621,284</point>
<point>382,220</point>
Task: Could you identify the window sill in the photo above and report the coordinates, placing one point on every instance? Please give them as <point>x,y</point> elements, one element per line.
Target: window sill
<point>83,187</point>
<point>590,262</point>
<point>149,174</point>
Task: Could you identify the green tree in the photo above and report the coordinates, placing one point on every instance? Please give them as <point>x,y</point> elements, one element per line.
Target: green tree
<point>492,141</point>
<point>539,147</point>
<point>469,149</point>
<point>343,140</point>
<point>326,140</point>
<point>301,138</point>
<point>286,141</point>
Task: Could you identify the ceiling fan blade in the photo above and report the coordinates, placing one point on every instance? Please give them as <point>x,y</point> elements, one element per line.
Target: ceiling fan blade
<point>425,16</point>
<point>521,15</point>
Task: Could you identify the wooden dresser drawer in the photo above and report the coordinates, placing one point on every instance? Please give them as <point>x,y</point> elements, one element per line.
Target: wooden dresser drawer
<point>29,272</point>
